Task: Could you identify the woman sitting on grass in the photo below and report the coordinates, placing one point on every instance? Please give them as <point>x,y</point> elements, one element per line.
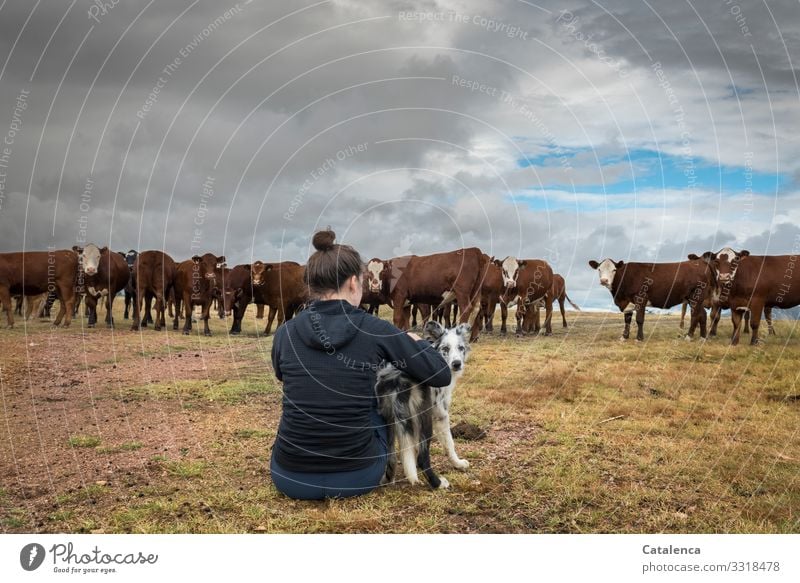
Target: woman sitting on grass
<point>331,439</point>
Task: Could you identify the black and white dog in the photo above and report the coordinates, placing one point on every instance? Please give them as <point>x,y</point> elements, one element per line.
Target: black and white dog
<point>415,412</point>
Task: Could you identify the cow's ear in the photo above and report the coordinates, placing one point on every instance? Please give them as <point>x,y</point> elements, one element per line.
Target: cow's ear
<point>522,263</point>
<point>246,266</point>
<point>196,258</point>
<point>594,264</point>
<point>709,256</point>
<point>433,331</point>
<point>693,257</point>
<point>221,259</point>
<point>744,253</point>
<point>104,250</point>
<point>498,263</point>
<point>268,267</point>
<point>620,263</point>
<point>121,253</point>
<point>77,249</point>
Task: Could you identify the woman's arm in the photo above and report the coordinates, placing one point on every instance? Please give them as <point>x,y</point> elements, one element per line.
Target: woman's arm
<point>417,358</point>
<point>276,340</point>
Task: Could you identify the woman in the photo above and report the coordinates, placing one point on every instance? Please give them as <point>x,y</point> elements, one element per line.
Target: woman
<point>331,439</point>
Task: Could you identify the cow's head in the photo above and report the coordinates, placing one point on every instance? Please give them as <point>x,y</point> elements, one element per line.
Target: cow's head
<point>258,272</point>
<point>130,258</point>
<point>724,263</point>
<point>375,275</point>
<point>510,268</point>
<point>607,270</point>
<point>206,266</point>
<point>89,257</point>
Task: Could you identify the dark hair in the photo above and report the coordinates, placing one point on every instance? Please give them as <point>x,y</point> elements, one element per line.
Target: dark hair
<point>331,265</point>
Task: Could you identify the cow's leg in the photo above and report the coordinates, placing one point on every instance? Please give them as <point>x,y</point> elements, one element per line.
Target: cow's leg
<point>270,318</point>
<point>127,305</point>
<point>5,298</point>
<point>640,322</point>
<point>176,314</point>
<point>563,312</point>
<point>698,314</point>
<point>756,308</point>
<point>626,333</point>
<point>259,311</point>
<point>520,315</point>
<point>736,320</point>
<point>548,315</point>
<point>66,295</point>
<point>768,318</point>
<point>161,310</point>
<point>91,308</point>
<point>188,308</point>
<point>138,300</point>
<point>716,312</point>
<point>683,312</point>
<point>109,310</point>
<point>503,317</point>
<point>414,310</point>
<point>536,317</point>
<point>746,322</point>
<point>206,316</point>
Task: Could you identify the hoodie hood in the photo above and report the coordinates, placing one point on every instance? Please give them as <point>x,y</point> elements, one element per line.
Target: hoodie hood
<point>328,324</point>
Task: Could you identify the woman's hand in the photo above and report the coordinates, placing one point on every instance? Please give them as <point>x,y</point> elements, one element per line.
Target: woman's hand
<point>413,336</point>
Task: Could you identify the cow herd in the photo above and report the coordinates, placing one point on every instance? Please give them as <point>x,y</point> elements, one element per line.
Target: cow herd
<point>464,286</point>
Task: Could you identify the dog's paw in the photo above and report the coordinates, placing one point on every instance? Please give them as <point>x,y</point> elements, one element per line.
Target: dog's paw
<point>461,464</point>
<point>444,485</point>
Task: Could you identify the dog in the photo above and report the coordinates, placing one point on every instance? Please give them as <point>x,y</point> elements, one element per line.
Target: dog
<point>415,412</point>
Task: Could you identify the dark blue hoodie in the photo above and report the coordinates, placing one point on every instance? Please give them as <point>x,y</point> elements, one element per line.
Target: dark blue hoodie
<point>327,358</point>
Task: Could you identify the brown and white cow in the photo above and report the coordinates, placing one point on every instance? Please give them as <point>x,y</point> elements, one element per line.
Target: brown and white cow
<point>31,273</point>
<point>376,285</point>
<point>525,281</point>
<point>105,274</point>
<point>196,285</point>
<point>635,286</point>
<point>558,292</point>
<point>438,279</point>
<point>154,275</point>
<point>754,284</point>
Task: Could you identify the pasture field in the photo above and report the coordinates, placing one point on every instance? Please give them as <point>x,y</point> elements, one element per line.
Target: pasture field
<point>115,431</point>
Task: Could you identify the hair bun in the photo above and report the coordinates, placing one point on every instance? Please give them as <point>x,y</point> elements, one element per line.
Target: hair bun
<point>323,240</point>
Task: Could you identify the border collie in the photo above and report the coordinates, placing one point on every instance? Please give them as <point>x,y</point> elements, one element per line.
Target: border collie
<point>415,412</point>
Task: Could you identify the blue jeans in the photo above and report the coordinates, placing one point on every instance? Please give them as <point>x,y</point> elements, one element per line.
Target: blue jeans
<point>320,485</point>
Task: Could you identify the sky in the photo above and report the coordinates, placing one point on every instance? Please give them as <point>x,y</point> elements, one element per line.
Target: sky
<point>565,130</point>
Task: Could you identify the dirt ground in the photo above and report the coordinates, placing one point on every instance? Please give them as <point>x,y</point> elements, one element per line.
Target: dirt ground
<point>119,431</point>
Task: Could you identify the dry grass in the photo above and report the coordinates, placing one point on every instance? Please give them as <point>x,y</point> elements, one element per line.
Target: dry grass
<point>585,434</point>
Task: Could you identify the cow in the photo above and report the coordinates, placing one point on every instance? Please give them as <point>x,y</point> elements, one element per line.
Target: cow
<point>376,285</point>
<point>635,286</point>
<point>438,279</point>
<point>196,284</point>
<point>524,282</point>
<point>154,274</point>
<point>558,292</point>
<point>130,289</point>
<point>754,284</point>
<point>280,286</point>
<point>492,288</point>
<point>237,285</point>
<point>105,275</point>
<point>31,273</point>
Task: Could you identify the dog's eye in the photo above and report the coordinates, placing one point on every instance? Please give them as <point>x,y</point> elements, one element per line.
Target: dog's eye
<point>461,348</point>
<point>445,349</point>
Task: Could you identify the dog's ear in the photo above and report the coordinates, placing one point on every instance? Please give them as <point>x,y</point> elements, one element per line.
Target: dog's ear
<point>463,330</point>
<point>433,331</point>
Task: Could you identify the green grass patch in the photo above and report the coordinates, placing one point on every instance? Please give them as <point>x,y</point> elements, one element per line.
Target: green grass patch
<point>84,441</point>
<point>127,446</point>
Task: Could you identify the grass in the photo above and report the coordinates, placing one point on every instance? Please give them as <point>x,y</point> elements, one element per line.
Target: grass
<point>584,434</point>
<point>84,441</point>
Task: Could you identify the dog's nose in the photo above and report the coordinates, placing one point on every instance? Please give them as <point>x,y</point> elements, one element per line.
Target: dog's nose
<point>456,365</point>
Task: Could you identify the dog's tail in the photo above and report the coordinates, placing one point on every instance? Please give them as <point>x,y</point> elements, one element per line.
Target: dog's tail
<point>424,454</point>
